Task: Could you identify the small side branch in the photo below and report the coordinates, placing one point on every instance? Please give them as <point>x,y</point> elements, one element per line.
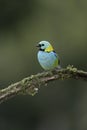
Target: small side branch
<point>32,84</point>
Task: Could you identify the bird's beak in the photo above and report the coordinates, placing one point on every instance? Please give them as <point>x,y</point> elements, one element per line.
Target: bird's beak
<point>38,45</point>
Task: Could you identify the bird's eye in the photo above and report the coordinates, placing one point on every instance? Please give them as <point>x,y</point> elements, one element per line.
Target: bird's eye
<point>42,45</point>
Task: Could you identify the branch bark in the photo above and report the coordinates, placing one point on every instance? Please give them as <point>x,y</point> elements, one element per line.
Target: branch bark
<point>32,84</point>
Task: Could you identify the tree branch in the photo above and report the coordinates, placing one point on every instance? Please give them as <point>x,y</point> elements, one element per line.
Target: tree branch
<point>30,85</point>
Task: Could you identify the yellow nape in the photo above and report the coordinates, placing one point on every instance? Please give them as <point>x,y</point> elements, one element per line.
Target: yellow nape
<point>49,49</point>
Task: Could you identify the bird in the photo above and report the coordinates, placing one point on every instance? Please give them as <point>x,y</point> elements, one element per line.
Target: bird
<point>47,57</point>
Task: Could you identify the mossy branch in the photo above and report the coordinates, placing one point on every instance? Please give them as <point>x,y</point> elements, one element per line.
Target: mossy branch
<point>32,84</point>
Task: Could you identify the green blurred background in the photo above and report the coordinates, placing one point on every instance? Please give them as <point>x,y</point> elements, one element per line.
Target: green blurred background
<point>62,105</point>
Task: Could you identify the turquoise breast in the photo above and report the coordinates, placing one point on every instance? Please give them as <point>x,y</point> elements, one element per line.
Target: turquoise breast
<point>48,60</point>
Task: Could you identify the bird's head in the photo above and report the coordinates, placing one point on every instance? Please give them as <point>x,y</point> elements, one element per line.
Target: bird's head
<point>45,46</point>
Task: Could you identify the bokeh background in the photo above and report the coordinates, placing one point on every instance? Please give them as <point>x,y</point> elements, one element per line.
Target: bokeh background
<point>62,105</point>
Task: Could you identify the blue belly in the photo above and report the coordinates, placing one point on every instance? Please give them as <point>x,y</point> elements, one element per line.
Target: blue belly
<point>47,60</point>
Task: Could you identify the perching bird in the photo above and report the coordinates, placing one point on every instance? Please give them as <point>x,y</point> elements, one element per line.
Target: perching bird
<point>47,57</point>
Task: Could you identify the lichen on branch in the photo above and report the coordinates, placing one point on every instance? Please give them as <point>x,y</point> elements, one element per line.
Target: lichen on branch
<point>33,83</point>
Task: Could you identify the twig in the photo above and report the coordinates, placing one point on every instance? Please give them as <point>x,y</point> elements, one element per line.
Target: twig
<point>31,84</point>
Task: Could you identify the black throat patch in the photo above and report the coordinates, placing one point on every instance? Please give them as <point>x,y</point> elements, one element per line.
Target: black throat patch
<point>42,49</point>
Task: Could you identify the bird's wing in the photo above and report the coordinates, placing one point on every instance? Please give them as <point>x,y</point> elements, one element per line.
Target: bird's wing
<point>57,57</point>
